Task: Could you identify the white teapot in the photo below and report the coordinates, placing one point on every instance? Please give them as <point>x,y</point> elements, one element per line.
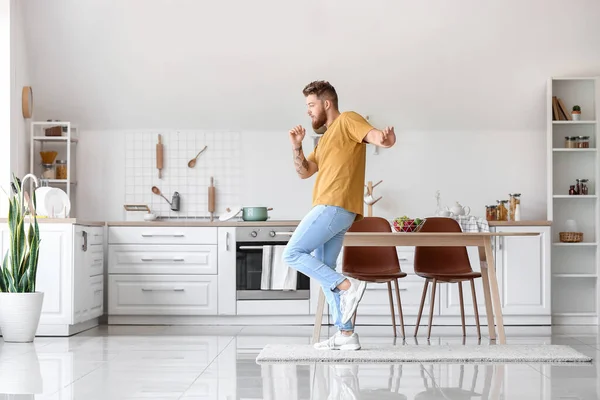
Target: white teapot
<point>457,209</point>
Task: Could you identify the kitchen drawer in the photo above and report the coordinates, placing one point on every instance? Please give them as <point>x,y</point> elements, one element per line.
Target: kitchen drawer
<point>162,235</point>
<point>97,300</point>
<point>128,259</point>
<point>162,295</point>
<point>95,259</point>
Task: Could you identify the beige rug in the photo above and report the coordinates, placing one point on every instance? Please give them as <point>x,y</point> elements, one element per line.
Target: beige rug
<point>502,353</point>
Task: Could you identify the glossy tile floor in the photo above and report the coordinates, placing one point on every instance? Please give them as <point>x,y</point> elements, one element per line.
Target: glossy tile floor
<point>195,362</point>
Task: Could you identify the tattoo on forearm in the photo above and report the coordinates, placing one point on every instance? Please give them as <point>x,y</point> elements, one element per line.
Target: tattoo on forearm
<point>300,162</point>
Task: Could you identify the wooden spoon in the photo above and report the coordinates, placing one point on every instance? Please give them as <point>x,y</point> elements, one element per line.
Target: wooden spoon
<point>156,190</point>
<point>192,162</point>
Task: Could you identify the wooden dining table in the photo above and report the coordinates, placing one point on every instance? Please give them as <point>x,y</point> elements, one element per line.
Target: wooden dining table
<point>482,240</point>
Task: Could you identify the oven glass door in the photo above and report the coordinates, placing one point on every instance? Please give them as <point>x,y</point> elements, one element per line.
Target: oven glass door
<point>249,275</point>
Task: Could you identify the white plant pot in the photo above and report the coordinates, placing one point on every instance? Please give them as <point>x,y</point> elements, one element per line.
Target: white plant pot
<point>20,315</point>
<point>576,117</point>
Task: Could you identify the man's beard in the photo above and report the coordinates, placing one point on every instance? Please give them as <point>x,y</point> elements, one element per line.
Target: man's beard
<point>319,121</point>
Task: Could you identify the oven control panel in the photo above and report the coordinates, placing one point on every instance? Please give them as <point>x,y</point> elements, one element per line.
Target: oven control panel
<point>264,234</point>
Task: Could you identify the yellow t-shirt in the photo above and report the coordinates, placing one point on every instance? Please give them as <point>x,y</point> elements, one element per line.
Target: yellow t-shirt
<point>341,158</point>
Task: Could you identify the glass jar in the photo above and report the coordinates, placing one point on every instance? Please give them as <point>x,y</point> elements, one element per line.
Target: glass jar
<point>502,212</point>
<point>572,190</point>
<point>61,169</point>
<point>584,142</point>
<point>570,142</point>
<point>490,213</point>
<point>514,200</point>
<point>577,186</point>
<point>48,171</point>
<point>583,188</point>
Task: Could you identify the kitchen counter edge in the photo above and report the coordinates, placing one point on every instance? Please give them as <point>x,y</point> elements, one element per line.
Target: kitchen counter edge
<point>275,223</point>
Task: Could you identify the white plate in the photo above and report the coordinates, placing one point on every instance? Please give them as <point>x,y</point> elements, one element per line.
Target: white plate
<point>40,200</point>
<point>228,215</point>
<point>57,203</point>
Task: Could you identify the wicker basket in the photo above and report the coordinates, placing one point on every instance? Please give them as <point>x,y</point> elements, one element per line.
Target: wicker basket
<point>571,237</point>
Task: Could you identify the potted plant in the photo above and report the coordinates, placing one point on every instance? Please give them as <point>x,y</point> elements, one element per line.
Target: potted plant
<point>576,113</point>
<point>20,304</point>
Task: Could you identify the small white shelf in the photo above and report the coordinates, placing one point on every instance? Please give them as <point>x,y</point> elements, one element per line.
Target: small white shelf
<point>54,139</point>
<point>562,275</point>
<point>575,244</point>
<point>587,150</point>
<point>573,122</point>
<point>578,196</point>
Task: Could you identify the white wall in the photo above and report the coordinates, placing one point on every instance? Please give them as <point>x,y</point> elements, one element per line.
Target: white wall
<point>19,77</point>
<point>462,82</point>
<point>4,103</point>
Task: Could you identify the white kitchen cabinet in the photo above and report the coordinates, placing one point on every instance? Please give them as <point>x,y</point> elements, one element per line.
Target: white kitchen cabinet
<point>523,272</point>
<point>69,276</point>
<point>227,271</point>
<point>156,271</point>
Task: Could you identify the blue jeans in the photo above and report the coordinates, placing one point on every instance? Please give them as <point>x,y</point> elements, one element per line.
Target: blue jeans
<point>322,231</point>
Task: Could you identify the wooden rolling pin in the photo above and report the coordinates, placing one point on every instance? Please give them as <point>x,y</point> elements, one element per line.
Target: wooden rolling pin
<point>211,198</point>
<point>159,157</point>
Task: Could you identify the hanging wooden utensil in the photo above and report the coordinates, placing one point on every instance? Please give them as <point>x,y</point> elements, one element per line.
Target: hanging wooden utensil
<point>211,199</point>
<point>159,156</point>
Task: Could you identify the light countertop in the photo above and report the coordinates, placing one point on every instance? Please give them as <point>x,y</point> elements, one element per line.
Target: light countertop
<point>204,223</point>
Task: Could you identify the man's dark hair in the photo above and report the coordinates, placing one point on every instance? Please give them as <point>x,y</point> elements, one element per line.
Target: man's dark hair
<point>323,90</point>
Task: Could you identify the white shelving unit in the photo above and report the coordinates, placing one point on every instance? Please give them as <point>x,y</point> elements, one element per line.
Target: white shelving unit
<point>61,144</point>
<point>575,266</point>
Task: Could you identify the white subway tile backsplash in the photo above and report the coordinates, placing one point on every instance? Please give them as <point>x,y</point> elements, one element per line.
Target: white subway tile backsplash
<point>220,160</point>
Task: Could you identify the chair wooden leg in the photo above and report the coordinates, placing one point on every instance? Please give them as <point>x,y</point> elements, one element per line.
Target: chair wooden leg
<point>475,308</point>
<point>425,286</point>
<point>462,308</point>
<point>431,307</point>
<point>399,303</point>
<point>319,317</point>
<point>389,286</point>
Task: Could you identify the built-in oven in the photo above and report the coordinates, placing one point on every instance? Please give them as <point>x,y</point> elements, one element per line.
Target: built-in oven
<point>252,244</point>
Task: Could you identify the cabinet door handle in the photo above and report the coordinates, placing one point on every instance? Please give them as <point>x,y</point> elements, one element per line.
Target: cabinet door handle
<point>163,290</point>
<point>403,259</point>
<point>162,235</point>
<point>227,241</point>
<point>251,247</point>
<point>97,260</point>
<point>84,246</point>
<point>164,259</point>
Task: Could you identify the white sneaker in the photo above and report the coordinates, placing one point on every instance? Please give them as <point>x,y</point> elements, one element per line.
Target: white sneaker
<point>350,298</point>
<point>339,342</point>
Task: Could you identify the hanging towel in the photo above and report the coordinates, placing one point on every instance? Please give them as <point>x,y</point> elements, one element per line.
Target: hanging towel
<point>267,268</point>
<point>282,276</point>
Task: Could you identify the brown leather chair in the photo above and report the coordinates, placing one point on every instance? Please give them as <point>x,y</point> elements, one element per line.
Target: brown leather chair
<point>444,264</point>
<point>375,263</point>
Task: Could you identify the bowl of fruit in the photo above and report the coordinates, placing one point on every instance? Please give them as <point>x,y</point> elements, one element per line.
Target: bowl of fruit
<point>406,224</point>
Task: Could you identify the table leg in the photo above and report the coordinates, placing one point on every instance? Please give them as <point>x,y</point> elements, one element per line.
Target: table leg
<point>318,317</point>
<point>486,293</point>
<point>489,256</point>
